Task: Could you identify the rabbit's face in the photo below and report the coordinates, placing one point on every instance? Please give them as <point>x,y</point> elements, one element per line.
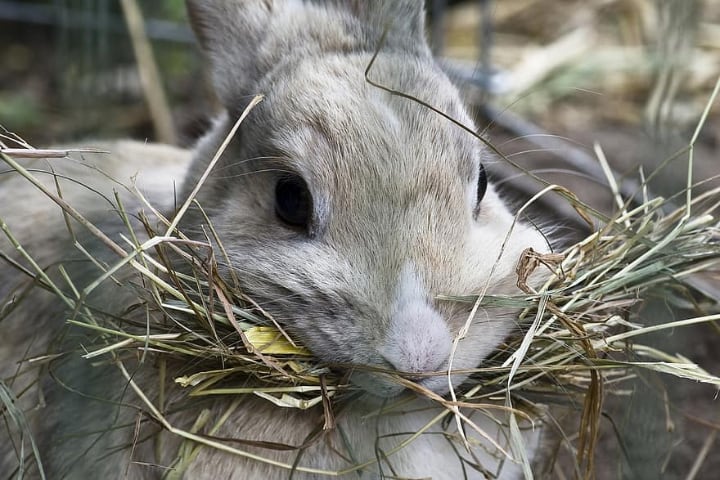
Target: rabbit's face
<point>346,211</point>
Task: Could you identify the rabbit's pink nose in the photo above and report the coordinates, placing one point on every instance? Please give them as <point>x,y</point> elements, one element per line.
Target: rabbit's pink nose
<point>418,339</point>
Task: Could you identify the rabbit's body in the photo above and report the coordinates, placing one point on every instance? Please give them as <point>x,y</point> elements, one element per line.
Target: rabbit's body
<point>344,211</point>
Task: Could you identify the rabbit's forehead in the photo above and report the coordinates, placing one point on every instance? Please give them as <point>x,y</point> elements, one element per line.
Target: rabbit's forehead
<point>334,126</point>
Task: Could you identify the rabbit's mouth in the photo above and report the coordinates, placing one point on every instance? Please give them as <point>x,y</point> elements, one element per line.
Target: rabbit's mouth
<point>388,384</point>
<point>377,385</point>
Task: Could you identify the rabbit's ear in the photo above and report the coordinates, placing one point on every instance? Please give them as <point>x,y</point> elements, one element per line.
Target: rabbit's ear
<point>230,32</point>
<point>404,19</point>
<point>246,38</point>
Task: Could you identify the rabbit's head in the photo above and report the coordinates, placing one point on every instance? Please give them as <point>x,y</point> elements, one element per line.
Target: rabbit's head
<point>346,210</point>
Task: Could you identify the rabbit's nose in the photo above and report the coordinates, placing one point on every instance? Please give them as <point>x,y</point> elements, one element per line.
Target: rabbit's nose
<point>418,339</point>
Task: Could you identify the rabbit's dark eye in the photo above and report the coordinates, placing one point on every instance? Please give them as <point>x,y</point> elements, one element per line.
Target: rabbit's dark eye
<point>293,202</point>
<point>482,184</point>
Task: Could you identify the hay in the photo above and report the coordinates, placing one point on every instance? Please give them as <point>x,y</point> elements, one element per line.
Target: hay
<point>579,329</point>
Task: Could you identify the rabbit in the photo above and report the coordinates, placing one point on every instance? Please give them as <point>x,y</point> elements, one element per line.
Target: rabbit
<point>344,210</point>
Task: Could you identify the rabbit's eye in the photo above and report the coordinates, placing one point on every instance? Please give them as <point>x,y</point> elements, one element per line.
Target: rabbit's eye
<point>293,202</point>
<point>482,184</point>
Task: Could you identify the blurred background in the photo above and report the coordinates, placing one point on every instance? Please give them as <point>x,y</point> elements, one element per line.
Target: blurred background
<point>552,83</point>
<point>70,71</point>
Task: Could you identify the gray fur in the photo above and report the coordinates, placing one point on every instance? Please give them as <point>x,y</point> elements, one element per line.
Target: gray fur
<point>394,225</point>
